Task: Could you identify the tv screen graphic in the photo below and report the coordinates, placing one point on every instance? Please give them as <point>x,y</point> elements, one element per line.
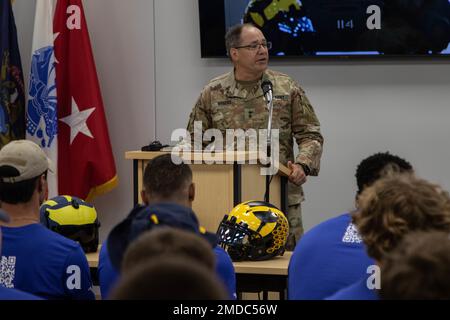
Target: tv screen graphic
<point>314,28</point>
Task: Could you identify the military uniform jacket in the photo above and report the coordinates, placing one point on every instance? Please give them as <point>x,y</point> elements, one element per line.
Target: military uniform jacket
<point>225,104</point>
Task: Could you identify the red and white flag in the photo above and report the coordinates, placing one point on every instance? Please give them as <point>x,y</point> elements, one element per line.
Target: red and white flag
<point>86,165</point>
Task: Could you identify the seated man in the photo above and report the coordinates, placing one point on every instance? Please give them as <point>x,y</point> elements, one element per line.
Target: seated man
<point>390,209</point>
<point>35,259</point>
<point>331,255</point>
<point>418,268</point>
<point>168,193</point>
<point>10,293</point>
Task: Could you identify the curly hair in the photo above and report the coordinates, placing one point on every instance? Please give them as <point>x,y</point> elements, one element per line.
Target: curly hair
<point>396,205</point>
<point>374,167</point>
<point>418,268</point>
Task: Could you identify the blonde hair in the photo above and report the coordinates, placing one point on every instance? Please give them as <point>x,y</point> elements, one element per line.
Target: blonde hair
<point>396,205</point>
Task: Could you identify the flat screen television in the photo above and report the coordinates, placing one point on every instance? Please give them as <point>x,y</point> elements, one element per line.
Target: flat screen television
<point>336,28</point>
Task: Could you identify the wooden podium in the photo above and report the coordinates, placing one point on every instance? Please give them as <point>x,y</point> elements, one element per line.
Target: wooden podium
<point>220,187</point>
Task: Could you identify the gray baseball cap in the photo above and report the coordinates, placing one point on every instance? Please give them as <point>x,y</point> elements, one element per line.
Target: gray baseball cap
<point>22,160</point>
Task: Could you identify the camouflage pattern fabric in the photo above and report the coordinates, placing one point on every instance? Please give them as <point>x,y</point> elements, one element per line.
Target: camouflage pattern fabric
<point>294,216</point>
<point>227,104</point>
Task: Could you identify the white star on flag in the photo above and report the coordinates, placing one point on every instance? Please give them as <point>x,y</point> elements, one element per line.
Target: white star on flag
<point>77,121</point>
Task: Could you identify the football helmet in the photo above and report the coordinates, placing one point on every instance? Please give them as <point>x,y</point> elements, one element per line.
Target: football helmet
<point>72,218</point>
<point>253,230</point>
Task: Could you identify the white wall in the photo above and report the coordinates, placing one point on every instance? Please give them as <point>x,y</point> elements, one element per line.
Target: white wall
<point>122,39</point>
<point>364,106</point>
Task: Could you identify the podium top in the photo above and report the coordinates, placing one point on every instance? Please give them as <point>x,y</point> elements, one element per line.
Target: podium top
<point>224,157</point>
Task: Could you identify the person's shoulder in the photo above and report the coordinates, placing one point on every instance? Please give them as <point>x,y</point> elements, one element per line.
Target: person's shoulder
<point>221,254</point>
<point>347,293</point>
<point>41,234</point>
<point>13,294</point>
<point>282,81</point>
<point>219,81</point>
<point>325,234</point>
<point>356,291</point>
<point>339,222</point>
<point>57,241</point>
<point>278,75</point>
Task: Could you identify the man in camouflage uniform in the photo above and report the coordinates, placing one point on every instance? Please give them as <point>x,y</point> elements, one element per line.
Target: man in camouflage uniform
<point>235,101</point>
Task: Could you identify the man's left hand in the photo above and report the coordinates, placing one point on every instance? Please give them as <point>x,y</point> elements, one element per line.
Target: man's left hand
<point>297,175</point>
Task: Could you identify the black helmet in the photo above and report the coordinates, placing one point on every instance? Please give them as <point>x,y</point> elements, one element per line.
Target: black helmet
<point>254,230</point>
<point>72,218</point>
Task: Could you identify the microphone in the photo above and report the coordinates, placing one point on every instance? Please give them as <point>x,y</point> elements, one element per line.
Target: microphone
<point>267,89</point>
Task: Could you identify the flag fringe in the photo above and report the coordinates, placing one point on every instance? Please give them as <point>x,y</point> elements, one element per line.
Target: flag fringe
<point>102,189</point>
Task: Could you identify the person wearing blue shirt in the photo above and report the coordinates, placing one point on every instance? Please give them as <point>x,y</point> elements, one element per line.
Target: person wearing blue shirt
<point>357,291</point>
<point>389,210</point>
<point>9,293</point>
<point>332,255</point>
<point>109,275</point>
<point>327,258</point>
<point>13,294</point>
<point>35,259</point>
<point>168,194</point>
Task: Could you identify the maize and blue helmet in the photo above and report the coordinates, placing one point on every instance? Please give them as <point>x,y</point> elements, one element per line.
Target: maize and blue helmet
<point>72,218</point>
<point>254,230</point>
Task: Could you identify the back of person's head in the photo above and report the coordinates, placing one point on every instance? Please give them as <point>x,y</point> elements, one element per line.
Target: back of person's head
<point>22,166</point>
<point>163,179</point>
<point>165,241</point>
<point>396,205</point>
<point>170,278</point>
<point>377,166</point>
<point>418,268</point>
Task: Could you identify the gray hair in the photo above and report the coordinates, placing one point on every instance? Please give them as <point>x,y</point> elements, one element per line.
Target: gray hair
<point>233,36</point>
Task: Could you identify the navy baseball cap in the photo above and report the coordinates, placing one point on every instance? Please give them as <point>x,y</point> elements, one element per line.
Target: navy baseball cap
<point>143,218</point>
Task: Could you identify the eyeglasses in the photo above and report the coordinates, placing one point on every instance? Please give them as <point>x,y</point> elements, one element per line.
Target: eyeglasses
<point>256,46</point>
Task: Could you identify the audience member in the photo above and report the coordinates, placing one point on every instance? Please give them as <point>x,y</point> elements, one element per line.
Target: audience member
<point>35,259</point>
<point>418,268</point>
<point>389,210</point>
<point>168,193</point>
<point>10,293</point>
<point>331,255</point>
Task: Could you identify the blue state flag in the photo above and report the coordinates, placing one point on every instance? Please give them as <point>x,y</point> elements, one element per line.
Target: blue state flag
<point>12,95</point>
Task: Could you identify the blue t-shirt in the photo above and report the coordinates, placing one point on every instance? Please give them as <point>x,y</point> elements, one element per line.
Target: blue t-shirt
<point>13,294</point>
<point>357,291</point>
<point>44,263</point>
<point>225,271</point>
<point>108,275</point>
<point>328,258</point>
